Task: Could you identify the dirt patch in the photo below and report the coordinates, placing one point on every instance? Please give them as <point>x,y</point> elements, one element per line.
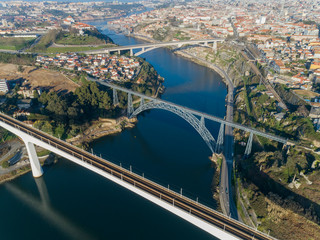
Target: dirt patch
<point>47,79</point>
<point>307,93</point>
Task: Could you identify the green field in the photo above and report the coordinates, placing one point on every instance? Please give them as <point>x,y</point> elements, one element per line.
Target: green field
<point>73,49</point>
<point>12,43</point>
<point>74,39</point>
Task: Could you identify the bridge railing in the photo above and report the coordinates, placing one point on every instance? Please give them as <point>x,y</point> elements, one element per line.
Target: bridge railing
<point>59,144</point>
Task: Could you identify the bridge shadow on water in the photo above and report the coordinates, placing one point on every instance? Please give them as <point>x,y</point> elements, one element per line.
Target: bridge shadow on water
<point>44,208</point>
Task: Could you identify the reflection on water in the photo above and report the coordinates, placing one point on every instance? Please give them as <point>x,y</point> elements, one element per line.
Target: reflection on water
<point>46,211</point>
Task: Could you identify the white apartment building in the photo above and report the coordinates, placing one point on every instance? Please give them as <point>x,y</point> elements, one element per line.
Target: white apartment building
<point>4,86</point>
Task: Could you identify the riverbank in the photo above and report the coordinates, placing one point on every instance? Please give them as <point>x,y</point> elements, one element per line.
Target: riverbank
<point>23,167</point>
<point>101,128</point>
<point>189,57</point>
<point>222,178</point>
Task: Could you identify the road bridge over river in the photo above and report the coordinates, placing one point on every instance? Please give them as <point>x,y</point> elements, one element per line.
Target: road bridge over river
<point>145,47</point>
<point>201,216</point>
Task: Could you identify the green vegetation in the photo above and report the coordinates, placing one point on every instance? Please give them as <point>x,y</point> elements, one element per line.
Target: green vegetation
<point>43,153</point>
<point>21,59</point>
<point>90,37</point>
<point>72,49</point>
<point>13,43</point>
<point>74,39</point>
<point>65,114</point>
<point>45,41</point>
<point>6,135</point>
<point>181,36</point>
<point>5,164</point>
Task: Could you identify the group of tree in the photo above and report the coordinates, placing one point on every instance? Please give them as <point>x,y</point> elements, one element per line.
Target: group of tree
<point>88,102</point>
<point>21,59</point>
<point>66,112</point>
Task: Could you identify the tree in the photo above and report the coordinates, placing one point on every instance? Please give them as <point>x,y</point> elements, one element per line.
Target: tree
<point>5,164</point>
<point>20,68</point>
<point>35,94</point>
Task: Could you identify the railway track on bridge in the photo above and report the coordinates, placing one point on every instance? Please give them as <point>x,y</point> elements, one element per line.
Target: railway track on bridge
<point>192,207</point>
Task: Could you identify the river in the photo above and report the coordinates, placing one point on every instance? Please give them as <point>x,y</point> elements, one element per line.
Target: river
<point>70,202</point>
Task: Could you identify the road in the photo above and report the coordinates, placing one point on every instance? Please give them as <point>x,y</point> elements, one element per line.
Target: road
<point>226,197</point>
<point>190,206</point>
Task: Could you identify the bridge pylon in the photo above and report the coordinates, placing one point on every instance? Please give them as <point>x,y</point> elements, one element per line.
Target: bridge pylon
<point>130,108</point>
<point>220,138</point>
<point>33,158</point>
<point>214,47</point>
<point>249,146</point>
<point>115,97</point>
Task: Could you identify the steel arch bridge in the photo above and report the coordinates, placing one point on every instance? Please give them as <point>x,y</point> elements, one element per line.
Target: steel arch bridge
<point>195,118</point>
<point>197,124</point>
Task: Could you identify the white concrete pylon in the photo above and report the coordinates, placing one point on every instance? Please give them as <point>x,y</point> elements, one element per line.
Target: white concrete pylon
<point>215,46</point>
<point>34,161</point>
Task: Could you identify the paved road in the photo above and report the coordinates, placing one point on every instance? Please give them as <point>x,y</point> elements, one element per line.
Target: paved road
<point>226,197</point>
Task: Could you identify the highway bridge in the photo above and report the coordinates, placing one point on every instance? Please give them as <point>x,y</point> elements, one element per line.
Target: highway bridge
<point>194,117</point>
<point>201,216</point>
<point>146,47</point>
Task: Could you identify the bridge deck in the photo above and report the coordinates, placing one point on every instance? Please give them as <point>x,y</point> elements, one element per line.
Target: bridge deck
<point>200,211</point>
<point>198,113</point>
<point>152,45</point>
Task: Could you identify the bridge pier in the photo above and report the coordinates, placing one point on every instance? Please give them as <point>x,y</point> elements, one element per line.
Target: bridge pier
<point>119,52</point>
<point>214,47</point>
<point>130,105</point>
<point>115,97</point>
<point>33,158</point>
<point>249,146</point>
<point>220,138</point>
<point>131,52</point>
<point>206,44</point>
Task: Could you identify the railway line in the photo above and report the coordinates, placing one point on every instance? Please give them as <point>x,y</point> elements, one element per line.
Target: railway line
<point>188,205</point>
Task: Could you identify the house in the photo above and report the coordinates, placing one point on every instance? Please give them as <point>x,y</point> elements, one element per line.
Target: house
<point>68,21</point>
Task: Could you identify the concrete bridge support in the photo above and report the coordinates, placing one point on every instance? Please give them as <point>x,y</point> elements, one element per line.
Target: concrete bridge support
<point>119,52</point>
<point>33,158</point>
<point>214,46</point>
<point>249,146</point>
<point>115,97</point>
<point>130,108</point>
<point>220,138</point>
<point>131,52</point>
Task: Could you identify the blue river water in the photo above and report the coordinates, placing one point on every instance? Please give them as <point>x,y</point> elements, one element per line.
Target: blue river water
<point>70,202</point>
